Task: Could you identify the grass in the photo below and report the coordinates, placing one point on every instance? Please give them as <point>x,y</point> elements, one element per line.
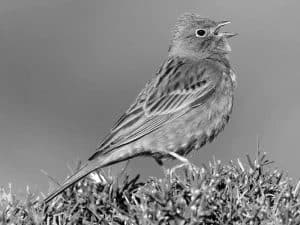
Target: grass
<point>217,193</point>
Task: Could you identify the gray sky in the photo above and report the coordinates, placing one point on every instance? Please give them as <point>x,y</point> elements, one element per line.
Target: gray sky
<point>69,68</point>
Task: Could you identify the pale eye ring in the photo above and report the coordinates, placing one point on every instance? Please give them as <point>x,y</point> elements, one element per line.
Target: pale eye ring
<point>200,33</point>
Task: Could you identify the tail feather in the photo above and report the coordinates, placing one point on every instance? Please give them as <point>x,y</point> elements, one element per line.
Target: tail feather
<point>89,167</point>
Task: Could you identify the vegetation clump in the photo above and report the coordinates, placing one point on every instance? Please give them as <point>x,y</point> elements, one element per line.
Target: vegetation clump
<point>233,193</point>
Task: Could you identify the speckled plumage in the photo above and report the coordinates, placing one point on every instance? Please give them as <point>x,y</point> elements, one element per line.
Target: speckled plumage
<point>185,105</point>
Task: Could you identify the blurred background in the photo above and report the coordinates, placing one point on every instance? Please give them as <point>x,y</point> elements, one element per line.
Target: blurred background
<point>69,68</point>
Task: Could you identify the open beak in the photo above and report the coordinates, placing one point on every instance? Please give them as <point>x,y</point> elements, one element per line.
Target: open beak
<point>222,24</point>
<point>223,34</point>
<point>223,45</point>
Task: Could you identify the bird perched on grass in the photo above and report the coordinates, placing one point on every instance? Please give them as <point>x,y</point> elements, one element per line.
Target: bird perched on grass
<point>183,107</point>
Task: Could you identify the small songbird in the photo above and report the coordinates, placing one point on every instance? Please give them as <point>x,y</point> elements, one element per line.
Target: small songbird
<point>184,106</point>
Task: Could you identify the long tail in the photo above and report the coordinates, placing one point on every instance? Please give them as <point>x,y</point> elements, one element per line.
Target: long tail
<point>89,167</point>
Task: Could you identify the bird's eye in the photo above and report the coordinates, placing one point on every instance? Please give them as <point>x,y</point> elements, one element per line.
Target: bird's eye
<point>200,33</point>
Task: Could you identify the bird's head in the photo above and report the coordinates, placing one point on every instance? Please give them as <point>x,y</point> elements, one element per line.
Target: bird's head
<point>199,37</point>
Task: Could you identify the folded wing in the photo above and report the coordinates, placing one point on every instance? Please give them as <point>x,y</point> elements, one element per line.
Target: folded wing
<point>178,84</point>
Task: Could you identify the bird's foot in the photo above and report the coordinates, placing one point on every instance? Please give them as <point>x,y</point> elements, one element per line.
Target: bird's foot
<point>188,165</point>
<point>166,171</point>
<point>185,163</point>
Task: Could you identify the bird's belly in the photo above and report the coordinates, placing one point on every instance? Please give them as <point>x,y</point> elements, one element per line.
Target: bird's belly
<point>192,130</point>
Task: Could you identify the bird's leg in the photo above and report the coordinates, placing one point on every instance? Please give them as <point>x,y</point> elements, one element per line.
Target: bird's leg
<point>161,164</point>
<point>124,168</point>
<point>158,161</point>
<point>185,162</point>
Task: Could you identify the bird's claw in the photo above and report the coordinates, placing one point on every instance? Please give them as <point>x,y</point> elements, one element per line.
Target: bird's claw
<point>187,164</point>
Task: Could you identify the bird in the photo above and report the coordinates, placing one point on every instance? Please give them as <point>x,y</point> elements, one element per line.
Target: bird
<point>185,105</point>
